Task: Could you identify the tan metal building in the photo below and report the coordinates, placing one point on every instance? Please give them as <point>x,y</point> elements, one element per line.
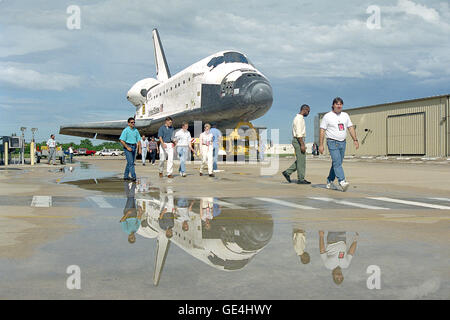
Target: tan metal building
<point>418,127</point>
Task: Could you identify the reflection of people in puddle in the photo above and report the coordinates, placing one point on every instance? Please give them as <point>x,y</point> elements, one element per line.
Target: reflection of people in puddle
<point>166,218</point>
<point>335,255</point>
<point>131,219</point>
<point>184,213</point>
<point>299,242</point>
<point>142,185</point>
<point>216,208</point>
<point>207,211</point>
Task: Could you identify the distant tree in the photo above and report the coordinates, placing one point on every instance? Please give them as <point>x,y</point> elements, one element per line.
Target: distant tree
<point>66,146</point>
<point>86,143</point>
<point>108,145</point>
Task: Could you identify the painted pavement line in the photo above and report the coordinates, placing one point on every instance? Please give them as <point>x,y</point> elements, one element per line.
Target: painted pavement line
<point>440,199</point>
<point>348,203</point>
<point>101,202</point>
<point>285,203</point>
<point>41,201</point>
<point>412,203</point>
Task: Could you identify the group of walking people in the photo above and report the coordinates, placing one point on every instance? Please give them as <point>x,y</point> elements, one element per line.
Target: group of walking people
<point>334,127</point>
<point>170,142</point>
<point>149,147</point>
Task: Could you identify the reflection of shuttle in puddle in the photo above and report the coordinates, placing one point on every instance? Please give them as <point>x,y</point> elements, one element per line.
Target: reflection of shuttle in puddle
<point>228,243</point>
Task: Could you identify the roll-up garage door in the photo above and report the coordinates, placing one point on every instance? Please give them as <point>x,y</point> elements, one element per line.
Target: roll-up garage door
<point>406,134</point>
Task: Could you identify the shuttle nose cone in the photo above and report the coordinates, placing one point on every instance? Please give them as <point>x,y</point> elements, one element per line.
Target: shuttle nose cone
<point>261,94</point>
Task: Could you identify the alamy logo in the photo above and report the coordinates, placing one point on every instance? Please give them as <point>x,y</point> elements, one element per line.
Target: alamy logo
<point>74,280</point>
<point>74,20</point>
<point>374,280</point>
<point>374,21</point>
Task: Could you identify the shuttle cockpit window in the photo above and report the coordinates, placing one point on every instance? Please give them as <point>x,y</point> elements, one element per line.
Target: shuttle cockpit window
<point>228,57</point>
<point>235,57</point>
<point>214,62</point>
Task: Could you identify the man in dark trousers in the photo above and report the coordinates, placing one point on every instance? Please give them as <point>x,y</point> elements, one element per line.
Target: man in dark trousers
<point>153,149</point>
<point>298,141</point>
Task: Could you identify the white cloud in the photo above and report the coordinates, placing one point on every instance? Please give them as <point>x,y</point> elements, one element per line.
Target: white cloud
<point>20,40</point>
<point>27,78</point>
<point>284,40</point>
<point>410,7</point>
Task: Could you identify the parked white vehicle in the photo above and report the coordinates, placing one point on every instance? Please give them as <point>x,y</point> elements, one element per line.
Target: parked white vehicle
<point>110,152</point>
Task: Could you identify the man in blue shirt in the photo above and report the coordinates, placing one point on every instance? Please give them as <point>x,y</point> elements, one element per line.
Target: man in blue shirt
<point>166,147</point>
<point>217,135</point>
<point>131,140</point>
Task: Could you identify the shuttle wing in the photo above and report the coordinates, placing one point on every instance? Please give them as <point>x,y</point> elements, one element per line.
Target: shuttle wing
<point>162,69</point>
<point>107,130</point>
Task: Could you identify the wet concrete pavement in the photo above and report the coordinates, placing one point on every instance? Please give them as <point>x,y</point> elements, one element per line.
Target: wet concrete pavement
<point>222,244</point>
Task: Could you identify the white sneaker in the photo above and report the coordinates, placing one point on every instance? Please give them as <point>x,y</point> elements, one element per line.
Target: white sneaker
<point>330,185</point>
<point>344,185</point>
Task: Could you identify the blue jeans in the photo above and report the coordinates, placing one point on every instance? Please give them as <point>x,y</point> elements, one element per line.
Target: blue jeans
<point>130,156</point>
<point>337,153</point>
<point>215,156</point>
<point>153,155</point>
<point>182,155</point>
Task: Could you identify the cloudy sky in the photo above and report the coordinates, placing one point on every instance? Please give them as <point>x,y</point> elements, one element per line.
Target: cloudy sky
<point>311,51</point>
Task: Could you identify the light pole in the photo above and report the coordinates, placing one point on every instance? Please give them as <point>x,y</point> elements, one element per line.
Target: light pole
<point>32,147</point>
<point>22,149</point>
<point>33,130</point>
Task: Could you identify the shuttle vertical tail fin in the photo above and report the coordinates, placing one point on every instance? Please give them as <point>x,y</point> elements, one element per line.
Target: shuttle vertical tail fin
<point>161,254</point>
<point>162,69</point>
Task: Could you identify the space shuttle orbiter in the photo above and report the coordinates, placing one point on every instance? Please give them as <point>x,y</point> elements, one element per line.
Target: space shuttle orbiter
<point>224,88</point>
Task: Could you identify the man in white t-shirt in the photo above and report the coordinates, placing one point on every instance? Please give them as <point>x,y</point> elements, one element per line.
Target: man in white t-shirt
<point>183,139</point>
<point>335,255</point>
<point>144,148</point>
<point>71,153</point>
<point>51,144</point>
<point>184,213</point>
<point>334,126</point>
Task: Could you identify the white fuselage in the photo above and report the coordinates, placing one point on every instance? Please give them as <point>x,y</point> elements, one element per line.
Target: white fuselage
<point>222,89</point>
<point>183,91</point>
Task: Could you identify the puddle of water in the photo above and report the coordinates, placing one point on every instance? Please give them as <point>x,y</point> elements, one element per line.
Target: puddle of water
<point>83,171</point>
<point>165,245</point>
